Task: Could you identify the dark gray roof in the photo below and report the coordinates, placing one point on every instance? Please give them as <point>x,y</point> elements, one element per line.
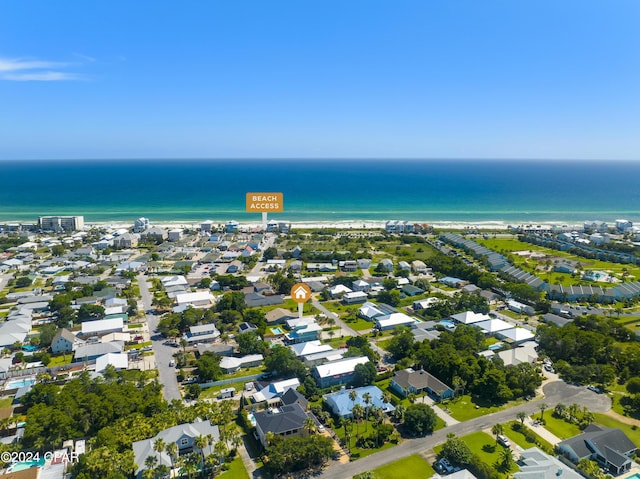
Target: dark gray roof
<point>277,421</point>
<point>291,396</point>
<point>611,443</point>
<point>555,319</point>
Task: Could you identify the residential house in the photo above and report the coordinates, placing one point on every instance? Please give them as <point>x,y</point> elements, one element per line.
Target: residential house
<point>232,364</point>
<point>404,266</point>
<point>183,435</point>
<point>203,333</point>
<point>279,315</point>
<point>154,234</point>
<point>354,297</point>
<point>338,291</point>
<point>515,336</point>
<point>126,240</point>
<point>609,447</point>
<point>199,299</point>
<point>118,360</point>
<point>535,464</point>
<point>337,372</point>
<point>101,327</point>
<point>408,381</point>
<point>348,266</point>
<point>256,300</point>
<point>174,235</point>
<point>418,267</point>
<point>392,321</point>
<point>286,421</point>
<point>386,264</point>
<point>92,351</point>
<point>469,317</point>
<point>360,285</point>
<point>64,342</point>
<point>303,333</point>
<point>411,290</point>
<point>342,405</point>
<point>275,390</point>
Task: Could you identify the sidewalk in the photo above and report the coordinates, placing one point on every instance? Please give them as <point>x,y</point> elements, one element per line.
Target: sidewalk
<point>449,421</point>
<point>542,431</point>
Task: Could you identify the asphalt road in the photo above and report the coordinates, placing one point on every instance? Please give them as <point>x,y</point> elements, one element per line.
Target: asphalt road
<point>554,393</point>
<point>163,353</point>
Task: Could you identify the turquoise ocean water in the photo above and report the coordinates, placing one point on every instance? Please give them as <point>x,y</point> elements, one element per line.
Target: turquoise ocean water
<point>322,190</point>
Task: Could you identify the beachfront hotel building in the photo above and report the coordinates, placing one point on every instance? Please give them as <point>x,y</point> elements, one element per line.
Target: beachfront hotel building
<point>61,223</point>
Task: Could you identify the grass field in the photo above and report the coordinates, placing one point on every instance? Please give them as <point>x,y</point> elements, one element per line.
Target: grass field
<point>365,428</point>
<point>213,392</point>
<point>236,470</point>
<point>409,467</point>
<point>508,245</point>
<point>519,438</point>
<point>484,446</point>
<point>463,408</point>
<point>559,427</point>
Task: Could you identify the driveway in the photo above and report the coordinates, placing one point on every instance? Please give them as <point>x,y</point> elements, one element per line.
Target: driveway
<point>163,353</point>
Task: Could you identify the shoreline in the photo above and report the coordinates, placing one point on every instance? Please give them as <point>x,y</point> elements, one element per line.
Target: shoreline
<point>344,224</point>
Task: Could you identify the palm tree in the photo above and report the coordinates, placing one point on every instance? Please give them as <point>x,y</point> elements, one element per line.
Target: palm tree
<point>201,442</point>
<point>497,430</point>
<point>366,397</point>
<point>543,406</point>
<point>310,425</point>
<point>150,463</point>
<point>521,417</point>
<point>353,395</point>
<point>506,458</point>
<point>158,446</point>
<point>358,413</point>
<point>172,451</point>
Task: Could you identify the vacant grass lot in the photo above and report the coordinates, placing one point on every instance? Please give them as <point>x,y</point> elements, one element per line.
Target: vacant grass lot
<point>631,431</point>
<point>409,467</point>
<point>236,470</point>
<point>559,427</point>
<point>463,408</point>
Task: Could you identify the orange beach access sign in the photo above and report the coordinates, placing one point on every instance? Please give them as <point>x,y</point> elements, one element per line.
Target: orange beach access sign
<point>265,202</point>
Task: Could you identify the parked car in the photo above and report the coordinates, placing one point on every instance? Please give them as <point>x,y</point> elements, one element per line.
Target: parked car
<point>594,389</point>
<point>172,363</point>
<point>443,466</point>
<point>503,441</point>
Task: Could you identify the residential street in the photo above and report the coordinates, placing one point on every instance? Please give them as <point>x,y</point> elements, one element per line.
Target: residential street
<point>163,353</point>
<point>555,392</point>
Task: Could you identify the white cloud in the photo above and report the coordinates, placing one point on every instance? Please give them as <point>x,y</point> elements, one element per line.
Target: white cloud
<point>19,69</point>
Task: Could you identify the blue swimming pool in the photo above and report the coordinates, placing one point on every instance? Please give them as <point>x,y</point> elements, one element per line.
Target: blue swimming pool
<point>495,346</point>
<point>21,466</point>
<point>18,383</point>
<point>276,330</point>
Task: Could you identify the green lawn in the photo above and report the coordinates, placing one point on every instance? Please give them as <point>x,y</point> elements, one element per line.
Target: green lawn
<point>463,408</point>
<point>409,467</point>
<point>484,446</point>
<point>559,427</point>
<point>245,372</point>
<point>236,470</point>
<point>360,324</point>
<point>213,392</point>
<point>519,438</point>
<point>364,428</point>
<point>5,403</point>
<point>60,360</point>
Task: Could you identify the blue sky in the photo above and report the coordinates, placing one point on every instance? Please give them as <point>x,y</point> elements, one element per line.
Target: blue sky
<point>412,79</point>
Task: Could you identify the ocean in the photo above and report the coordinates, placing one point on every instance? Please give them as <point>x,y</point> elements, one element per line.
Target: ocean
<point>436,191</point>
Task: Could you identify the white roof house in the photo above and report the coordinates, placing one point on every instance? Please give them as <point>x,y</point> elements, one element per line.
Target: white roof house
<point>295,322</point>
<point>310,347</point>
<point>493,325</point>
<point>232,364</point>
<point>525,353</point>
<point>370,311</point>
<point>393,320</point>
<point>199,298</point>
<point>469,317</point>
<point>102,326</point>
<point>342,366</point>
<point>117,360</point>
<point>516,335</point>
<point>339,289</point>
<point>174,281</point>
<point>275,389</point>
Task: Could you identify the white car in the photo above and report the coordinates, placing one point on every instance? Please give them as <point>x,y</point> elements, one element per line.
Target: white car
<point>172,363</point>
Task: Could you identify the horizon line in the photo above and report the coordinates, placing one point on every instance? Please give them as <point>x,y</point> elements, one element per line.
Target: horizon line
<point>316,158</point>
